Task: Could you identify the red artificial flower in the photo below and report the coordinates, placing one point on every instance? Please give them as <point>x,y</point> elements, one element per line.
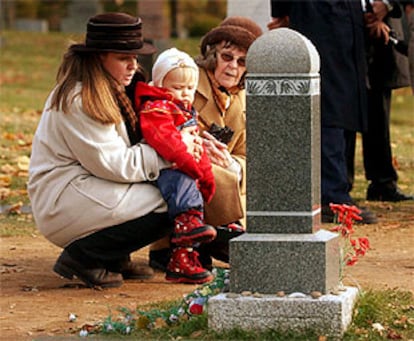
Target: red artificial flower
<point>360,252</point>
<point>346,215</point>
<point>336,228</point>
<point>364,243</point>
<point>354,215</point>
<point>352,260</point>
<point>196,309</point>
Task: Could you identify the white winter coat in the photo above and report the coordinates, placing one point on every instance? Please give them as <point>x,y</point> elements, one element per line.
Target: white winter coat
<point>85,176</point>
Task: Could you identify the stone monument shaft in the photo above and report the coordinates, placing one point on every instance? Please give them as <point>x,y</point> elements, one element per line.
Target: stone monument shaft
<point>283,248</point>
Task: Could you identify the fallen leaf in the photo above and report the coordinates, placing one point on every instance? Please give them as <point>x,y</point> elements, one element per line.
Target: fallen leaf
<point>9,136</point>
<point>393,335</point>
<point>122,294</point>
<point>400,322</point>
<point>196,334</point>
<point>395,163</point>
<point>23,163</point>
<point>72,317</point>
<point>160,323</point>
<point>378,327</point>
<point>5,180</point>
<point>29,288</point>
<point>4,193</point>
<point>361,331</point>
<point>8,169</point>
<point>143,322</point>
<point>22,174</point>
<point>88,327</point>
<point>15,209</point>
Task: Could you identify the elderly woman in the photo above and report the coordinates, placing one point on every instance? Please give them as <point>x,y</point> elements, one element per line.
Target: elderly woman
<point>220,102</point>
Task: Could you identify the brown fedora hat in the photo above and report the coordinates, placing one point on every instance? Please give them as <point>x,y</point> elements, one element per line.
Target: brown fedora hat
<point>114,32</point>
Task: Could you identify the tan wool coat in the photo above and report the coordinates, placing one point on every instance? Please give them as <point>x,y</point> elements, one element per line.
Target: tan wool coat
<point>85,176</point>
<point>229,202</point>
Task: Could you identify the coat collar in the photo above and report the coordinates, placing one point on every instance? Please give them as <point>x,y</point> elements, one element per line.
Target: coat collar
<point>204,87</point>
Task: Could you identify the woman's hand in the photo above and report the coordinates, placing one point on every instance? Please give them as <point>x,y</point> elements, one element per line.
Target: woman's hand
<point>193,142</point>
<point>216,151</point>
<point>377,29</point>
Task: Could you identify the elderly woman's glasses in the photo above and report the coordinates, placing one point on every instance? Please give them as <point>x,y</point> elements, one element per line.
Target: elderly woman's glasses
<point>227,57</point>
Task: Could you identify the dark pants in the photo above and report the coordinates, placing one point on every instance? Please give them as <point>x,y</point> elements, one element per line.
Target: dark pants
<point>179,191</point>
<point>114,244</point>
<point>219,247</point>
<point>376,141</point>
<point>334,179</point>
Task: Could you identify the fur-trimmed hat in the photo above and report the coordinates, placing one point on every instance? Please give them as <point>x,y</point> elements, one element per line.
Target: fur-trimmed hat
<point>168,60</point>
<point>114,32</point>
<point>241,31</point>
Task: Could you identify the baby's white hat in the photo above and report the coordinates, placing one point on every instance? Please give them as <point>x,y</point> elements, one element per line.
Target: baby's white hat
<point>168,60</point>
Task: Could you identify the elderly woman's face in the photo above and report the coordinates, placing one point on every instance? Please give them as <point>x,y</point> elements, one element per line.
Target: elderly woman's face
<point>231,65</point>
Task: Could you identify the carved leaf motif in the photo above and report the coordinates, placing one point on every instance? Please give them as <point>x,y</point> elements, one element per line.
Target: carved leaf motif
<point>286,87</point>
<point>253,88</point>
<point>270,87</point>
<point>289,87</point>
<point>303,87</point>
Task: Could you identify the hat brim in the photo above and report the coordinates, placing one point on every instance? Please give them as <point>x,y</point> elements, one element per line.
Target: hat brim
<point>146,49</point>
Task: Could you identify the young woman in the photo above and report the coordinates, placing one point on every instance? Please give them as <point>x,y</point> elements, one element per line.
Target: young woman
<point>89,183</point>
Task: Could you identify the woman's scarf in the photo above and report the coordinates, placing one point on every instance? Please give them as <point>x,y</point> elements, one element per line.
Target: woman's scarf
<point>127,111</point>
<point>222,96</point>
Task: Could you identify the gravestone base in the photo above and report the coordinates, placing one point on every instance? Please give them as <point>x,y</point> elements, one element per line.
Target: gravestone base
<point>268,263</point>
<point>328,315</point>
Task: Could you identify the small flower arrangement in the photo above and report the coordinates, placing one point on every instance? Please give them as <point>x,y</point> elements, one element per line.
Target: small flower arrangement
<point>352,248</point>
<point>195,303</point>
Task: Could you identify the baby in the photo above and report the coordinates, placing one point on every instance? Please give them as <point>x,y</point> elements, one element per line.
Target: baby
<point>167,117</point>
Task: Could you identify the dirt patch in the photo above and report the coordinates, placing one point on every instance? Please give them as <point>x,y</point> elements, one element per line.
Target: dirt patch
<point>36,302</point>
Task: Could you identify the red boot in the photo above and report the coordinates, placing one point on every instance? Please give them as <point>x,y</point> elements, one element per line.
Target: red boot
<point>184,267</point>
<point>190,229</point>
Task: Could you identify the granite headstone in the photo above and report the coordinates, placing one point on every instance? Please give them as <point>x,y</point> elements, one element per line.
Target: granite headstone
<point>284,249</point>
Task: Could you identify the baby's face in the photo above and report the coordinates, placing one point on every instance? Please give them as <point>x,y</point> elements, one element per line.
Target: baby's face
<point>181,83</point>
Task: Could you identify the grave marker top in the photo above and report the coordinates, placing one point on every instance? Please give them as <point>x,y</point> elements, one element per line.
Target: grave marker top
<point>293,53</point>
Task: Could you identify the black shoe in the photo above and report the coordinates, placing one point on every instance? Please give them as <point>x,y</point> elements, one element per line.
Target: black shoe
<point>205,258</point>
<point>159,259</point>
<point>129,269</point>
<point>68,267</point>
<point>133,270</point>
<point>367,216</point>
<point>386,192</point>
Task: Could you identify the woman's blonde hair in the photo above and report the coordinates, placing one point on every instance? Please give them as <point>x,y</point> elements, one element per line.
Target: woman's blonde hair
<point>98,98</point>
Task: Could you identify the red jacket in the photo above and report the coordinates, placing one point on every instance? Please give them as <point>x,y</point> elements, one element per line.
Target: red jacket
<point>161,118</point>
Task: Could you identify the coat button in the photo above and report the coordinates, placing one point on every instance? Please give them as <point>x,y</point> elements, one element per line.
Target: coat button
<point>151,176</point>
